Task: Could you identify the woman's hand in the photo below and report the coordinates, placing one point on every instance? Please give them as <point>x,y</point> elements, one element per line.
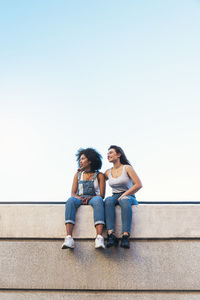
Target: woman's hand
<point>85,200</point>
<point>122,197</point>
<point>136,183</point>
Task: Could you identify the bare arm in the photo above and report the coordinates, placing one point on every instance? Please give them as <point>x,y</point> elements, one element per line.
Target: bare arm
<point>106,174</point>
<point>75,187</point>
<point>137,184</point>
<point>101,181</point>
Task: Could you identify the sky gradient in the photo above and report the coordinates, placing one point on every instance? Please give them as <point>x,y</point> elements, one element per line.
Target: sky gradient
<point>94,73</point>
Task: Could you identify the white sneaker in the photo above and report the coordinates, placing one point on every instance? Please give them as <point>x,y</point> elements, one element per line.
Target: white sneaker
<point>68,242</point>
<point>99,242</point>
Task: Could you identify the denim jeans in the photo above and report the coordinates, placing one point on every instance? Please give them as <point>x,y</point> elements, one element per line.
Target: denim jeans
<point>73,203</point>
<point>126,211</point>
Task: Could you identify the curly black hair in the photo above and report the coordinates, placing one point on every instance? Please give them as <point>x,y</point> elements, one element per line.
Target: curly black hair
<point>93,156</point>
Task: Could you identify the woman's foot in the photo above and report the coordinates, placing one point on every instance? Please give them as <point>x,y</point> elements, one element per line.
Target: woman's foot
<point>68,242</point>
<point>112,240</point>
<point>125,242</point>
<point>99,242</point>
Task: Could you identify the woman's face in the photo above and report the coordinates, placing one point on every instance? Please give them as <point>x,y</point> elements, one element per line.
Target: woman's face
<point>113,155</point>
<point>84,162</point>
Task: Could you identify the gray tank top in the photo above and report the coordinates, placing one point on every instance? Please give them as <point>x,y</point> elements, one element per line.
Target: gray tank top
<point>120,184</point>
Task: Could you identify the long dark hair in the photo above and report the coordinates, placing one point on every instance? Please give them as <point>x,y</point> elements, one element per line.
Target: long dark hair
<point>123,158</point>
<point>93,156</point>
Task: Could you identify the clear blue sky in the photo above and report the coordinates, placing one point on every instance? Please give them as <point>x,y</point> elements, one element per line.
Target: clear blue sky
<point>93,73</point>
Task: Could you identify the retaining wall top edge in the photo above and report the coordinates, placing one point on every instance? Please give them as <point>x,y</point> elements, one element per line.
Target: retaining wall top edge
<point>63,202</point>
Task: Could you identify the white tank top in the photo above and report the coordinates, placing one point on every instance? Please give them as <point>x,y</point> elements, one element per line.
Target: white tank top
<point>120,184</point>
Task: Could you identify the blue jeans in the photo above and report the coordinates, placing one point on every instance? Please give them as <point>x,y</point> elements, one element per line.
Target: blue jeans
<point>73,203</point>
<point>126,211</point>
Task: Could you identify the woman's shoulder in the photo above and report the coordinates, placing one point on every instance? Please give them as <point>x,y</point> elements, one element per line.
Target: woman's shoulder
<point>100,174</point>
<point>76,175</point>
<point>128,168</point>
<point>106,173</point>
<point>100,177</point>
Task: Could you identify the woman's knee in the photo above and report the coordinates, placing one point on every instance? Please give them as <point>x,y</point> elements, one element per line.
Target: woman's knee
<point>70,201</point>
<point>109,201</point>
<point>125,202</point>
<point>97,201</point>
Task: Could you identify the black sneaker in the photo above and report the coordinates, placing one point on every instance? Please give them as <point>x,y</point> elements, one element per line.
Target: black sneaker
<point>125,242</point>
<point>112,240</point>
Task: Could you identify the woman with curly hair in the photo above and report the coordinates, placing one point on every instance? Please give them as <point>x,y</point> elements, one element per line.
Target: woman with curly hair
<point>124,183</point>
<point>88,188</point>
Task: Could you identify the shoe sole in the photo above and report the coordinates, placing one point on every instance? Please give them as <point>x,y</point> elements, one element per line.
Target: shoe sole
<point>97,247</point>
<point>66,247</point>
<point>126,247</point>
<point>115,244</point>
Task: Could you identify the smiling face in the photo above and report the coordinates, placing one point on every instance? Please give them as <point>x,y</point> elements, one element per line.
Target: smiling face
<point>113,156</point>
<point>84,163</point>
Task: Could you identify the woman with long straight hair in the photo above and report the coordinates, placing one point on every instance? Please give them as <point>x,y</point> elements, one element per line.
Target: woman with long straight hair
<point>124,183</point>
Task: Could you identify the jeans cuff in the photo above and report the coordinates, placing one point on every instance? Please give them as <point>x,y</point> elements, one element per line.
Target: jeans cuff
<point>69,221</point>
<point>99,222</point>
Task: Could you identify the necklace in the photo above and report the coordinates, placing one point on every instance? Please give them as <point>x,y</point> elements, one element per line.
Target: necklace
<point>117,172</point>
<point>88,175</point>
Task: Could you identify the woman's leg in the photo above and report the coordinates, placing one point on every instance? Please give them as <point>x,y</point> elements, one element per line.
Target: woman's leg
<point>110,203</point>
<point>70,213</point>
<point>126,213</point>
<point>98,208</point>
<point>69,228</point>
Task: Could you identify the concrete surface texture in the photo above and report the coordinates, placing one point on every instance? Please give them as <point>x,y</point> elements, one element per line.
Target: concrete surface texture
<point>162,263</point>
<point>149,221</point>
<point>147,265</point>
<point>48,295</point>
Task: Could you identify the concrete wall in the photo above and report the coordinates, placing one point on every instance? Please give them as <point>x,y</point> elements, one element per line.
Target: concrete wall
<point>63,295</point>
<point>163,261</point>
<point>149,221</point>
